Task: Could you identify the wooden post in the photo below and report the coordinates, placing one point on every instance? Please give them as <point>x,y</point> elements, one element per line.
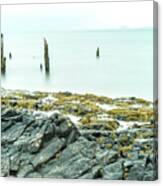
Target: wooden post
<point>46,57</point>
<point>3,59</point>
<point>98,52</point>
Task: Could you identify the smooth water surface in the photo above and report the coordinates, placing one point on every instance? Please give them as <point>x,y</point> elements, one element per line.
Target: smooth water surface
<point>124,68</point>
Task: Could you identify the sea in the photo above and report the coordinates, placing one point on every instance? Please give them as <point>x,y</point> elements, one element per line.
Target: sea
<point>124,67</point>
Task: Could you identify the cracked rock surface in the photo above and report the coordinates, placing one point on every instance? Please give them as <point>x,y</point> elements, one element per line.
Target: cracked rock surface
<point>54,147</point>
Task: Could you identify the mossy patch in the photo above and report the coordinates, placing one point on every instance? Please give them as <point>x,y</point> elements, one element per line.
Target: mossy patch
<point>131,114</point>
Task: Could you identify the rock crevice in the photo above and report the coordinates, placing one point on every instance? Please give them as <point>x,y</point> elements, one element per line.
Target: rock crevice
<point>53,147</point>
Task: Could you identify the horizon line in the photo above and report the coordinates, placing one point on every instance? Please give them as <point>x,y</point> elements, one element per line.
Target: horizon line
<point>77,2</point>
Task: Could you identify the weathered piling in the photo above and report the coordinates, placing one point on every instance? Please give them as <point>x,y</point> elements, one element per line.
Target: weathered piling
<point>46,57</point>
<point>41,67</point>
<point>98,52</point>
<point>10,55</point>
<point>3,59</point>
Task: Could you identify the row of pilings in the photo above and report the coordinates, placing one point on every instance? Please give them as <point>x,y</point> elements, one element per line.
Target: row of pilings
<point>46,57</point>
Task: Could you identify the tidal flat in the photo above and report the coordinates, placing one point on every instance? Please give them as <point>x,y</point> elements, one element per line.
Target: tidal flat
<point>85,136</point>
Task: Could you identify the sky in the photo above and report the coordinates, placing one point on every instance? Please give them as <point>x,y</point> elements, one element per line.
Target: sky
<point>86,16</point>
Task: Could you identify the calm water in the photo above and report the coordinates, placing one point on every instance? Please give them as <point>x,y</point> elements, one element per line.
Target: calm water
<point>125,66</point>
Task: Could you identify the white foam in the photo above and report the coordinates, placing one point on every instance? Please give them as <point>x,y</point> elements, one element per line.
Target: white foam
<point>124,125</point>
<point>74,119</point>
<point>43,114</point>
<point>106,106</point>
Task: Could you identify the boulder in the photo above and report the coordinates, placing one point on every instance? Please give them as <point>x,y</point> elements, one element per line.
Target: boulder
<point>48,152</point>
<point>53,146</point>
<point>113,171</point>
<point>150,175</point>
<point>105,157</point>
<point>5,166</point>
<point>74,160</point>
<point>136,172</point>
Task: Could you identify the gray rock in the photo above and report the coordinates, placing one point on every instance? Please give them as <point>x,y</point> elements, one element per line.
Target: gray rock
<point>24,170</point>
<point>27,119</point>
<point>150,176</point>
<point>150,167</point>
<point>74,134</point>
<point>136,172</point>
<point>13,133</point>
<point>5,125</point>
<point>26,158</point>
<point>72,168</point>
<point>54,147</point>
<point>75,160</point>
<point>48,152</point>
<point>77,166</point>
<point>94,173</point>
<point>113,171</point>
<point>34,175</point>
<point>35,143</point>
<point>68,130</point>
<point>7,113</point>
<point>134,155</point>
<point>81,146</point>
<point>65,128</point>
<point>48,130</point>
<point>14,162</point>
<point>128,163</point>
<point>5,166</point>
<point>105,157</point>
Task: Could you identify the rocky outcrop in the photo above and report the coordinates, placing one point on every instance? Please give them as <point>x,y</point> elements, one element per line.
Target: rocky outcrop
<point>55,147</point>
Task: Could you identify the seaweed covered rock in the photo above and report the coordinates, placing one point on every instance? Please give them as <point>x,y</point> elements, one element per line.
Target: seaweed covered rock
<point>65,135</point>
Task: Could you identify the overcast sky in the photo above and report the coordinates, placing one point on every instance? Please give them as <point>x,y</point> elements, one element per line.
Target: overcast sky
<point>77,16</point>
